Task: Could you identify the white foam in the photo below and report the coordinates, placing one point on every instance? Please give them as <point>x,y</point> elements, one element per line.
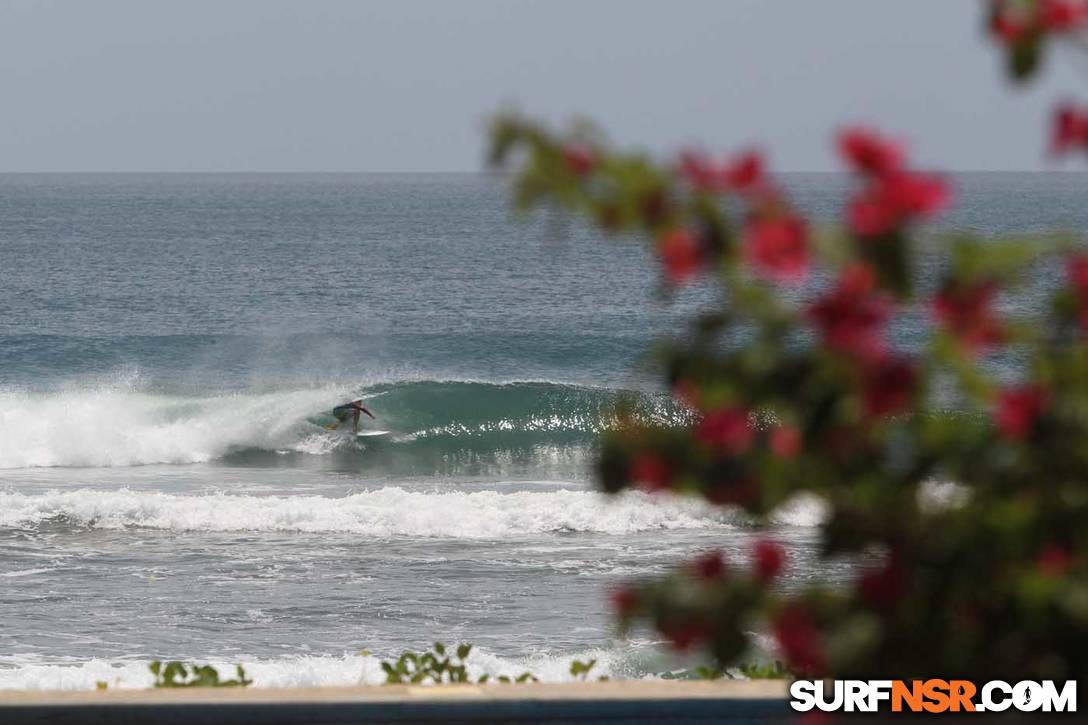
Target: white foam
<point>120,426</point>
<point>390,511</point>
<point>34,673</point>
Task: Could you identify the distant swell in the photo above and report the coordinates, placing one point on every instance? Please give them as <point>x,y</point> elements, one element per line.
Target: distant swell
<point>119,426</point>
<point>385,512</point>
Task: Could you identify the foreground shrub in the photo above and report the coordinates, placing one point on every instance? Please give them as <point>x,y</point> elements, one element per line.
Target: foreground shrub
<point>818,400</point>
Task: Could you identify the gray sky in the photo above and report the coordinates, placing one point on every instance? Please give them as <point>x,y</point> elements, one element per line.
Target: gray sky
<point>405,85</point>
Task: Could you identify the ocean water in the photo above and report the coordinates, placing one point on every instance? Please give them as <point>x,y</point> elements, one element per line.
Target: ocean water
<point>170,344</point>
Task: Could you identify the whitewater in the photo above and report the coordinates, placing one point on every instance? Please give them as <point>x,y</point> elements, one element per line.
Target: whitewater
<point>171,347</point>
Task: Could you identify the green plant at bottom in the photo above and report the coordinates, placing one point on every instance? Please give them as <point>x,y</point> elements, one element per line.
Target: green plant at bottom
<point>438,667</point>
<point>179,674</point>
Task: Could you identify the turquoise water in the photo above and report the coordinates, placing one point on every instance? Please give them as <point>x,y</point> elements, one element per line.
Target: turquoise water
<point>170,343</point>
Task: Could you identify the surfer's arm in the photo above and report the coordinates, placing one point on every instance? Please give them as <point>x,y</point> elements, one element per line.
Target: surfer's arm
<point>364,410</point>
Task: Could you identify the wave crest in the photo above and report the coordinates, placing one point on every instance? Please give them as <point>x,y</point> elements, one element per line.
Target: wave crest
<point>384,512</point>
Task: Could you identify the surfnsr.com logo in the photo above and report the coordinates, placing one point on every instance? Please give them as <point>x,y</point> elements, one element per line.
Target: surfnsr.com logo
<point>933,696</point>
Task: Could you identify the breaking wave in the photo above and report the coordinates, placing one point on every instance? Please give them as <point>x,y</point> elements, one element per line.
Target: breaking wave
<point>119,426</point>
<point>384,512</point>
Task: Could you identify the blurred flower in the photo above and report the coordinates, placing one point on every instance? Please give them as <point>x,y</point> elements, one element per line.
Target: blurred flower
<point>579,159</point>
<point>1009,27</point>
<point>651,471</point>
<point>852,316</point>
<point>1069,129</point>
<point>868,152</point>
<point>768,559</point>
<point>726,429</point>
<point>1077,269</point>
<point>894,200</point>
<point>885,585</point>
<point>785,441</point>
<point>778,246</point>
<point>967,312</point>
<point>624,600</point>
<point>1061,16</point>
<point>1054,560</point>
<point>745,172</point>
<point>681,255</point>
<point>684,635</point>
<point>888,385</point>
<point>709,565</point>
<point>799,640</point>
<point>1018,409</point>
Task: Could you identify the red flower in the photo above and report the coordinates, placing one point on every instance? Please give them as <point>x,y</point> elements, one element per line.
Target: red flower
<point>885,586</point>
<point>683,636</point>
<point>1059,16</point>
<point>726,429</point>
<point>785,441</point>
<point>744,172</point>
<point>778,245</point>
<point>1077,269</point>
<point>579,159</point>
<point>649,470</point>
<point>624,600</point>
<point>1018,409</point>
<point>681,255</point>
<point>1054,560</point>
<point>732,492</point>
<point>1009,28</point>
<point>709,566</point>
<point>768,559</point>
<point>894,200</point>
<point>852,316</point>
<point>888,386</point>
<point>870,153</point>
<point>799,640</point>
<point>699,171</point>
<point>1069,129</point>
<point>967,313</point>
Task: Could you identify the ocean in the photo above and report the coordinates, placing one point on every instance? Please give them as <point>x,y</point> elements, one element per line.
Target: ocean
<point>170,345</point>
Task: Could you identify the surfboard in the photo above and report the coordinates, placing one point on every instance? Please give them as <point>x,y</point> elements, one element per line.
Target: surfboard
<point>370,433</point>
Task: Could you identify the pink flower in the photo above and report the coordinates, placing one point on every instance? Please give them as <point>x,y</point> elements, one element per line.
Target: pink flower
<point>681,255</point>
<point>1061,16</point>
<point>698,171</point>
<point>624,601</point>
<point>785,441</point>
<point>888,386</point>
<point>1053,560</point>
<point>1018,409</point>
<point>1069,129</point>
<point>799,640</point>
<point>709,566</point>
<point>870,153</point>
<point>778,246</point>
<point>968,314</point>
<point>579,159</point>
<point>884,586</point>
<point>768,559</point>
<point>726,429</point>
<point>745,172</point>
<point>894,200</point>
<point>651,471</point>
<point>852,316</point>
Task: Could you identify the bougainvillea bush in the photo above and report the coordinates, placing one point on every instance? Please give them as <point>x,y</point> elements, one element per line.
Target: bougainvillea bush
<point>818,400</point>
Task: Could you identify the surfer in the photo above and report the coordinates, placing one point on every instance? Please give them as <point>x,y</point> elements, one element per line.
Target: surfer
<point>354,408</point>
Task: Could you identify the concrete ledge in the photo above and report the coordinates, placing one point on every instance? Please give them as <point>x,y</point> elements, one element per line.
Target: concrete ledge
<point>598,702</point>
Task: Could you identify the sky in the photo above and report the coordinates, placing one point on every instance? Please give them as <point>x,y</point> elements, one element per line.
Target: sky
<point>407,85</point>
